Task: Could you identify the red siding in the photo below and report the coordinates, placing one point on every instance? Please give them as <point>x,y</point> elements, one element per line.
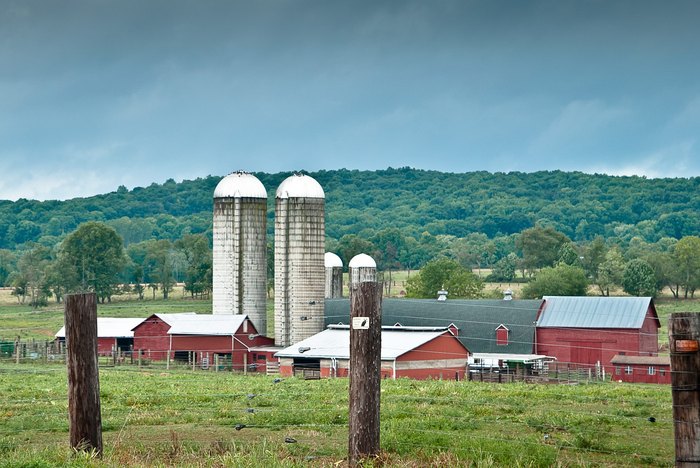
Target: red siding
<point>444,346</point>
<point>640,374</point>
<point>151,337</point>
<point>588,346</point>
<point>502,336</point>
<point>104,346</point>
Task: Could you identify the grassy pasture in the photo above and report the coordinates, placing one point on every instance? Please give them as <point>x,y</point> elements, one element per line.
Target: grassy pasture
<point>153,417</point>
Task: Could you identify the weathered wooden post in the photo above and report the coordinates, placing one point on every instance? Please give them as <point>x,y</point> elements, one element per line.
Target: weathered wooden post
<point>17,350</point>
<point>684,343</point>
<point>365,367</point>
<point>84,416</point>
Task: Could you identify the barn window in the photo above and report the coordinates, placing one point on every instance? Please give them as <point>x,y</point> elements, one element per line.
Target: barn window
<point>502,335</point>
<point>617,371</point>
<point>651,370</point>
<point>662,372</point>
<point>628,370</point>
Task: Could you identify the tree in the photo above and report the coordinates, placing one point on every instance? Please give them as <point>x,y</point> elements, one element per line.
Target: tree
<point>561,280</point>
<point>505,268</point>
<point>159,261</point>
<point>687,256</point>
<point>444,273</point>
<point>93,259</point>
<point>638,278</point>
<point>198,255</point>
<point>568,254</point>
<point>540,247</point>
<point>610,271</point>
<point>7,266</point>
<point>32,275</point>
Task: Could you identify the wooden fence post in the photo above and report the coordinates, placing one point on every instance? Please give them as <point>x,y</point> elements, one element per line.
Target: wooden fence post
<point>365,370</point>
<point>84,416</point>
<point>684,336</point>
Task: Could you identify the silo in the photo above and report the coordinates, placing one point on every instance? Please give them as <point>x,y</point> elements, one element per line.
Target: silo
<point>362,269</point>
<point>300,236</point>
<point>240,248</point>
<point>334,276</point>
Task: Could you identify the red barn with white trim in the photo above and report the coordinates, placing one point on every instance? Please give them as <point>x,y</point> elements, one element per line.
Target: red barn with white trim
<point>414,352</point>
<point>112,334</point>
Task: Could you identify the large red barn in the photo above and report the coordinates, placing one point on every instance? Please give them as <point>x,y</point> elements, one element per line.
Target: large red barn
<point>589,331</point>
<point>199,337</point>
<point>414,352</point>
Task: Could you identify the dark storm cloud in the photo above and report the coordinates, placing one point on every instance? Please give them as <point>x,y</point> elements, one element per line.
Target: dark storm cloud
<point>126,92</point>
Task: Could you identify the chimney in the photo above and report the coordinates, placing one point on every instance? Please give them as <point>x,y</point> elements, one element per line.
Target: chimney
<point>507,295</point>
<point>442,295</point>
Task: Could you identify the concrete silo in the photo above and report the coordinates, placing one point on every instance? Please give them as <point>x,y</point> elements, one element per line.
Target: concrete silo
<point>300,236</point>
<point>240,248</point>
<point>334,275</point>
<point>362,269</point>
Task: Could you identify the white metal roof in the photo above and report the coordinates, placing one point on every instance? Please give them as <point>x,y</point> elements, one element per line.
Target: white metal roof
<point>300,186</point>
<point>362,261</point>
<point>110,327</point>
<point>593,312</point>
<point>240,185</point>
<point>331,260</point>
<point>207,324</point>
<point>334,342</point>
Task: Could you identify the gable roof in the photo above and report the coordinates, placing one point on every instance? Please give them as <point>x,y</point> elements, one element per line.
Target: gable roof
<point>169,319</point>
<point>594,312</point>
<point>334,342</point>
<point>476,320</point>
<point>209,325</point>
<point>111,327</point>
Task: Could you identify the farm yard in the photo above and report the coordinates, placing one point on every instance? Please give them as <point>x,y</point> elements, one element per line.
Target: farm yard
<point>153,416</point>
<point>178,417</point>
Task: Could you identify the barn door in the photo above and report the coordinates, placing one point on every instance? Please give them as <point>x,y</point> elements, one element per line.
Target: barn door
<point>586,352</point>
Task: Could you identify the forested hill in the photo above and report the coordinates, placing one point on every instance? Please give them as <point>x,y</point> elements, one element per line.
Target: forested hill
<point>579,205</point>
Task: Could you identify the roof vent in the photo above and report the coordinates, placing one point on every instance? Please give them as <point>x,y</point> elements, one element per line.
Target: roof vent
<point>442,295</point>
<point>507,295</point>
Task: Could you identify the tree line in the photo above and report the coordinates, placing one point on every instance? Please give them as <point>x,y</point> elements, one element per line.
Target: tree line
<point>404,218</point>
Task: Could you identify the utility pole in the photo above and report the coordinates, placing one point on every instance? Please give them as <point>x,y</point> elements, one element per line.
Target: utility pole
<point>84,416</point>
<point>684,343</point>
<point>365,370</point>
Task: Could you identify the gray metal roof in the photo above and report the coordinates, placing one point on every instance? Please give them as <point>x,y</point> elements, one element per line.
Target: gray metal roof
<point>334,342</point>
<point>594,312</point>
<point>476,320</point>
<point>111,327</point>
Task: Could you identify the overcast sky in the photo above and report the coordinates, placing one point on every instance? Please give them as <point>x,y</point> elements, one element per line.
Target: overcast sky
<point>100,93</point>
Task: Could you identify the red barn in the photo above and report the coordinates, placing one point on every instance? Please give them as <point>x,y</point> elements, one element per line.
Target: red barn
<point>200,337</point>
<point>113,334</point>
<point>589,331</point>
<point>414,352</point>
<point>642,369</point>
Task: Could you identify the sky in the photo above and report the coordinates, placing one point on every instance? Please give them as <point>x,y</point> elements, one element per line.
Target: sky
<point>95,94</point>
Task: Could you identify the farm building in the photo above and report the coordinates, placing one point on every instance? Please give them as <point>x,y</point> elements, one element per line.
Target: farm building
<point>186,337</point>
<point>642,369</point>
<point>415,352</point>
<point>113,334</point>
<point>482,326</point>
<point>589,331</point>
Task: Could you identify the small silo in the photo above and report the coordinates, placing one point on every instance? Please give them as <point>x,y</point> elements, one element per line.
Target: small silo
<point>362,269</point>
<point>240,248</point>
<point>334,276</point>
<point>300,236</point>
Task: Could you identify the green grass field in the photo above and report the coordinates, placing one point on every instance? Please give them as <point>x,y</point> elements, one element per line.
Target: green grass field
<point>154,417</point>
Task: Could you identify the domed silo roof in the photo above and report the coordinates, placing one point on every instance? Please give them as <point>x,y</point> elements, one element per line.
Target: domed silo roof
<point>240,185</point>
<point>362,261</point>
<point>300,186</point>
<point>331,260</point>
